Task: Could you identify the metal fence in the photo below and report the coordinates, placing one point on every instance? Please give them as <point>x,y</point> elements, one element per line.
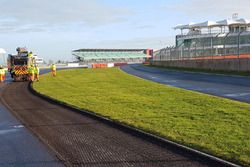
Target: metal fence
<point>217,46</point>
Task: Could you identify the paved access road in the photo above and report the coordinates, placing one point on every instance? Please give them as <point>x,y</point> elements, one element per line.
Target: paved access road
<point>233,87</point>
<point>82,141</point>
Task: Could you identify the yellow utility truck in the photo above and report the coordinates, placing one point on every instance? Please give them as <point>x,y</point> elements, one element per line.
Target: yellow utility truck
<point>18,64</point>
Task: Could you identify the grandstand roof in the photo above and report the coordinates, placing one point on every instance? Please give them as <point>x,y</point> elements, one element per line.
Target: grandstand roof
<point>209,24</point>
<point>186,26</point>
<point>205,24</point>
<point>108,50</point>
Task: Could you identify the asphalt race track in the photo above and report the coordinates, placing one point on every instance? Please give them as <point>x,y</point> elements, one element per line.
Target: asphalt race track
<point>78,140</point>
<point>232,87</point>
<point>19,147</point>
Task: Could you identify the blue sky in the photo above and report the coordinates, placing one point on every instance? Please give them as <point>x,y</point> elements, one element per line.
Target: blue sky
<point>52,29</point>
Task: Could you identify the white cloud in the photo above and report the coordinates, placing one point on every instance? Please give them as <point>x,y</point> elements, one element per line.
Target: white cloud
<point>35,14</point>
<point>212,8</point>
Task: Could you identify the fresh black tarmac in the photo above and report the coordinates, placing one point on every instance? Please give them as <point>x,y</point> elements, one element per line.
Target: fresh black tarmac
<point>79,140</point>
<point>19,147</point>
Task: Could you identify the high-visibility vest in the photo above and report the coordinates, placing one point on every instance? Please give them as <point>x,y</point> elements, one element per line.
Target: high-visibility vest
<point>36,70</point>
<point>2,71</point>
<point>53,67</point>
<point>31,70</point>
<point>30,55</point>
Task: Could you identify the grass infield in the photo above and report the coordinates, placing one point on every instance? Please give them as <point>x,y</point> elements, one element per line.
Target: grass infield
<point>211,124</point>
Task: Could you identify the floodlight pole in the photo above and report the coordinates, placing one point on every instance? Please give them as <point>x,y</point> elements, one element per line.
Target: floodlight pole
<point>239,50</point>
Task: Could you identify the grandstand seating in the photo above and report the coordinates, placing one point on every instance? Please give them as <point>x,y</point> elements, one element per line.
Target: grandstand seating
<point>96,54</point>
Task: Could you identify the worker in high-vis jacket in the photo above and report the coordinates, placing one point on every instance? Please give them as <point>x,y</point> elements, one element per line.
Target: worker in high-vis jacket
<point>31,58</point>
<point>31,72</point>
<point>53,70</point>
<point>36,72</point>
<point>30,55</point>
<point>2,74</point>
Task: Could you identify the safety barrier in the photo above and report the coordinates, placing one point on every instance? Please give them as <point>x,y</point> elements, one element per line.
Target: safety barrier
<point>230,63</point>
<point>99,65</point>
<point>110,65</point>
<point>106,65</point>
<point>119,64</point>
<point>146,62</point>
<point>242,56</point>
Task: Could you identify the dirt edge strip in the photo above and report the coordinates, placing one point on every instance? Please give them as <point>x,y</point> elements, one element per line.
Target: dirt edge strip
<point>200,156</point>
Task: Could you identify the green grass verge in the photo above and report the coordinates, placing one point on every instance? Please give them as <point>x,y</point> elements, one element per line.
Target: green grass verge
<point>203,70</point>
<point>212,124</point>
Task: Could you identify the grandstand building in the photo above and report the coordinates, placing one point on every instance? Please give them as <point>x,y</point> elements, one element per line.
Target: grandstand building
<point>222,45</point>
<point>112,55</point>
<point>225,39</point>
